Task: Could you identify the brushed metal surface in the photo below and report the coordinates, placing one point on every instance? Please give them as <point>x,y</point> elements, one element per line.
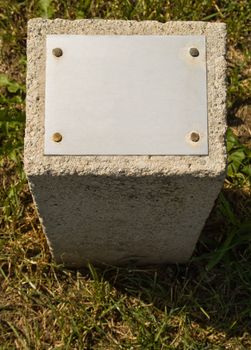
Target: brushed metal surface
<point>125,95</point>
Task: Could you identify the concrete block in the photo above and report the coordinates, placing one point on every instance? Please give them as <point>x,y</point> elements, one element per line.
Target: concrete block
<point>138,209</point>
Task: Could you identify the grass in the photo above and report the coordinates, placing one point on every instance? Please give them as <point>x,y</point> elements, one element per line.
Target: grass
<point>204,304</point>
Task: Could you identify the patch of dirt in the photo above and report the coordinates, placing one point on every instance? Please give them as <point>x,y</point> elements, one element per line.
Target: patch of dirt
<point>243,125</point>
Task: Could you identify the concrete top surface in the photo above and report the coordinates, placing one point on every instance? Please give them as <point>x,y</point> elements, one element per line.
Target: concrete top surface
<point>36,163</point>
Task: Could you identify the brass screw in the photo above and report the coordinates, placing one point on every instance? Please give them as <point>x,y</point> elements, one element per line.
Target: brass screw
<point>194,52</point>
<point>57,137</point>
<point>57,52</point>
<point>194,137</point>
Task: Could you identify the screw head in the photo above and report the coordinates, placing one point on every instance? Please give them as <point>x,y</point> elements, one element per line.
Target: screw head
<point>57,52</point>
<point>57,137</point>
<point>194,52</point>
<point>194,137</point>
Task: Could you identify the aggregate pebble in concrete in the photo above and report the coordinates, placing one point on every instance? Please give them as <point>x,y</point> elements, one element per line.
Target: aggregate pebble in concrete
<point>120,209</point>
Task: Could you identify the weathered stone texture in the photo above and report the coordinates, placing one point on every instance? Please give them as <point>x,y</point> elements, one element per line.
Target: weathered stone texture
<point>120,209</point>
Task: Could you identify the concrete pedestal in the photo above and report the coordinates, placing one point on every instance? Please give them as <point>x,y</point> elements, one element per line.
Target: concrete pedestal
<point>124,209</point>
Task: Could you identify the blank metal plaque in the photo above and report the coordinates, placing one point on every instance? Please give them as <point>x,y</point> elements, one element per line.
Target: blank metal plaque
<point>126,95</point>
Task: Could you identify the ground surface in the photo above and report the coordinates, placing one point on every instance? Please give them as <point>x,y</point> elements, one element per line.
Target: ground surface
<point>204,304</point>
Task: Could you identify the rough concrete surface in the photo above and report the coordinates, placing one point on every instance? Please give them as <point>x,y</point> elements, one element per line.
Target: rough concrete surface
<point>124,209</point>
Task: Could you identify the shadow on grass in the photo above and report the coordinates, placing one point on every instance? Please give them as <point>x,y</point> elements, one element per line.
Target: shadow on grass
<point>214,288</point>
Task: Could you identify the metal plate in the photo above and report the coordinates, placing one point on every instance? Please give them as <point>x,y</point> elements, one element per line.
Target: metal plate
<point>125,95</point>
